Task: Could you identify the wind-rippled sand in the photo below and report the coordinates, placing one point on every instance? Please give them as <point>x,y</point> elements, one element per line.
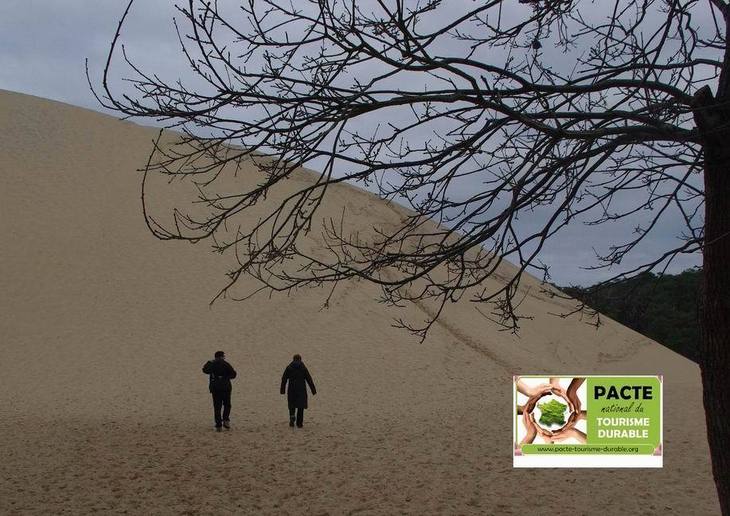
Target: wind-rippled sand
<point>104,329</point>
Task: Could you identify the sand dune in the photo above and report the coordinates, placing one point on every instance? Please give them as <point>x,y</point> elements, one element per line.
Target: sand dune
<point>103,330</point>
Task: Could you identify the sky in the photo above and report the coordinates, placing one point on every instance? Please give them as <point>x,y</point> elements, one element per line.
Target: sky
<point>44,45</point>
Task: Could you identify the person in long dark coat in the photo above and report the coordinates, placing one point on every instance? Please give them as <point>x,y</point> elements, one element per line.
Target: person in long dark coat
<point>297,376</point>
<point>221,373</point>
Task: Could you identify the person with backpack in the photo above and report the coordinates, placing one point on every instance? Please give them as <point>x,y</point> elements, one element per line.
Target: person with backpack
<point>297,377</point>
<point>220,373</point>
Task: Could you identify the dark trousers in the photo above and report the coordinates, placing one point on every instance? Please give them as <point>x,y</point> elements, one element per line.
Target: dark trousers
<point>300,415</point>
<point>221,399</point>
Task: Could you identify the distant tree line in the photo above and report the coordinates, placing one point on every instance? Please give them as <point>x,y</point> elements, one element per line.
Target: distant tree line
<point>662,307</point>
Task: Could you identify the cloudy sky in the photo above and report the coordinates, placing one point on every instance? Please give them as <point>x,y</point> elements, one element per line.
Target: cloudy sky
<point>44,44</point>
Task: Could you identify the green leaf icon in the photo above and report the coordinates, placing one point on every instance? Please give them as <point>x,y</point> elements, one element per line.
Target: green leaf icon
<point>553,413</point>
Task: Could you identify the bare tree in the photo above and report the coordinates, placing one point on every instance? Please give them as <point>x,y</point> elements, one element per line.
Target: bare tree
<point>469,115</point>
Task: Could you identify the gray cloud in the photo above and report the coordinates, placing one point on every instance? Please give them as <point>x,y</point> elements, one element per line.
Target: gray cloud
<point>43,44</point>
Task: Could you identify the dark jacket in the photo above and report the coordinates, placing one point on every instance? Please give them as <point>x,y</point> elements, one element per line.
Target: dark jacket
<point>221,373</point>
<point>298,377</point>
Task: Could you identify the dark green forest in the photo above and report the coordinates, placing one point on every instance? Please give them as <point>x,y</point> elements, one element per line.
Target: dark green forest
<point>664,308</point>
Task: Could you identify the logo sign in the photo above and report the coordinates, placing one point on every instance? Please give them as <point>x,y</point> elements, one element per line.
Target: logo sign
<point>587,421</point>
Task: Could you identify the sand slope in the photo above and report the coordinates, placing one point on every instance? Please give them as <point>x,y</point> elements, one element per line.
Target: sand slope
<point>103,330</point>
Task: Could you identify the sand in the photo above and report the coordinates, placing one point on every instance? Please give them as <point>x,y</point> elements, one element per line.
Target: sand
<point>104,329</point>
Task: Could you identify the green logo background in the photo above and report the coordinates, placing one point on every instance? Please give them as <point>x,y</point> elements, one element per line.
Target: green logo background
<point>624,408</point>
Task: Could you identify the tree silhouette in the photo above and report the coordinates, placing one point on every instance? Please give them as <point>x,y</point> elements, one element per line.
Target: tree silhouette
<point>471,117</point>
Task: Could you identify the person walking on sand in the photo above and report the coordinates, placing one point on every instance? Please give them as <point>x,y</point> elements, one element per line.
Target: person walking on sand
<point>297,376</point>
<point>221,373</point>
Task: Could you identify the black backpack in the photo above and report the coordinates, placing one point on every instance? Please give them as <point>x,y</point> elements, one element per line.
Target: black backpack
<point>218,381</point>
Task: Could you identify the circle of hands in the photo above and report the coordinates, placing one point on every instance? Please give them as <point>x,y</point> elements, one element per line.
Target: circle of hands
<point>535,393</point>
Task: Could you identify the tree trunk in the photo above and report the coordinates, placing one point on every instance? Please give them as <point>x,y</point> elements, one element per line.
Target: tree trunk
<point>712,121</point>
